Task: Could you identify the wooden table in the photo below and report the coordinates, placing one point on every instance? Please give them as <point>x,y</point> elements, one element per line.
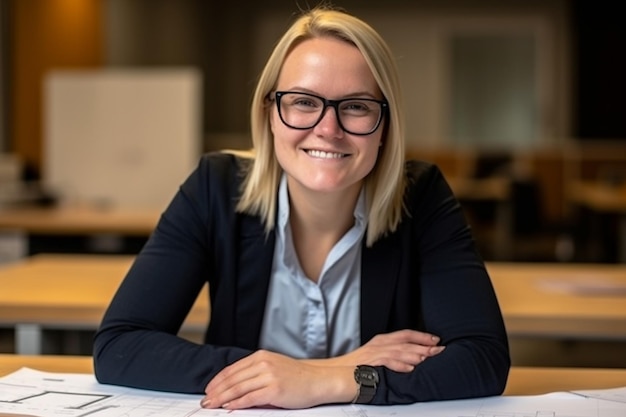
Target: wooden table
<point>487,189</point>
<point>67,292</point>
<point>522,380</point>
<point>539,380</point>
<point>579,301</point>
<point>49,363</point>
<point>27,229</point>
<point>598,196</point>
<point>586,301</point>
<point>603,199</point>
<point>494,189</point>
<point>79,219</point>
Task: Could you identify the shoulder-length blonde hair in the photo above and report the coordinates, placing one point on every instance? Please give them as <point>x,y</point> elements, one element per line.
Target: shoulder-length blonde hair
<point>384,185</point>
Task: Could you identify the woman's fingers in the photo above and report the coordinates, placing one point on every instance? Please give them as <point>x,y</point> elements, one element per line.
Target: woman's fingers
<point>399,351</point>
<point>270,379</point>
<point>406,336</point>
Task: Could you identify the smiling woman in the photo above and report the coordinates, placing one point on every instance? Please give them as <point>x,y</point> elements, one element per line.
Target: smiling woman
<point>338,272</point>
<point>307,68</point>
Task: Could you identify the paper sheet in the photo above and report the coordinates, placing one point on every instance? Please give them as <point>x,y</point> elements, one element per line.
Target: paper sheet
<point>614,394</point>
<point>44,394</point>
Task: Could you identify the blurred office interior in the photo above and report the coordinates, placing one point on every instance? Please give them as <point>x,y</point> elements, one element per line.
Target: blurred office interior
<point>520,103</point>
<point>531,91</point>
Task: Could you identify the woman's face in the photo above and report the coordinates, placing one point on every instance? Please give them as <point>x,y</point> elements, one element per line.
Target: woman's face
<point>325,158</point>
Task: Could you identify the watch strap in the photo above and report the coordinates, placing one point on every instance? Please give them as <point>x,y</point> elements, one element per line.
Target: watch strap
<point>367,379</point>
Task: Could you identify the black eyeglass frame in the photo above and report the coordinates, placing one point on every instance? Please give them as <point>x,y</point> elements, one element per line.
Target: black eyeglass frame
<point>384,110</point>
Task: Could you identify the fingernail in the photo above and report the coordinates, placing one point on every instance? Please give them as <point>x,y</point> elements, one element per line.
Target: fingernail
<point>436,339</point>
<point>225,405</point>
<point>437,349</point>
<point>206,401</point>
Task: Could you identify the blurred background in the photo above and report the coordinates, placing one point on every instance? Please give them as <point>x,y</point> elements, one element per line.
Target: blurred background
<point>520,102</point>
<point>528,90</point>
<point>537,73</point>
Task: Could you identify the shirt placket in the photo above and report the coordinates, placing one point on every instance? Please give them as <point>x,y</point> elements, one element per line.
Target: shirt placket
<point>316,331</point>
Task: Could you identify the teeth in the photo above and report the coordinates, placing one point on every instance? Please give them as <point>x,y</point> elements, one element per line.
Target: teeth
<point>325,155</point>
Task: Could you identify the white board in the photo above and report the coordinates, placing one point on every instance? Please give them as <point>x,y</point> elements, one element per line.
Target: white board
<point>121,137</point>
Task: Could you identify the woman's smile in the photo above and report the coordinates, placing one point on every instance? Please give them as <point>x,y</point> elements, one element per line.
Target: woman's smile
<point>325,154</point>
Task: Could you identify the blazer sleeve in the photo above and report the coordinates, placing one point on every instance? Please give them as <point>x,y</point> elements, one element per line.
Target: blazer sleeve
<point>137,343</point>
<point>453,298</point>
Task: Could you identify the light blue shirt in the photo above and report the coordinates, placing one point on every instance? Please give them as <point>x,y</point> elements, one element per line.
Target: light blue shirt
<point>304,319</point>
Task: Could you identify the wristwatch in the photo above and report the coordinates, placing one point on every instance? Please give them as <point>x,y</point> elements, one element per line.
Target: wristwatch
<point>367,378</point>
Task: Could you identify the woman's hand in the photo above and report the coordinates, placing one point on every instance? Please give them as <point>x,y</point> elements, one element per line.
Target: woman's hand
<point>399,351</point>
<point>271,379</point>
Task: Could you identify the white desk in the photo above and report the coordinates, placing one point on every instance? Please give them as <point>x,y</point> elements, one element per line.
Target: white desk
<point>522,380</point>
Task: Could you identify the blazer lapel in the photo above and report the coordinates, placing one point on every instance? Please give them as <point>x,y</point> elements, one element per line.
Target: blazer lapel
<point>254,266</point>
<point>379,274</point>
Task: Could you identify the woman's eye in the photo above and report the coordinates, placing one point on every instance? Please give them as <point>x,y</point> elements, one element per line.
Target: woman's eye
<point>304,103</point>
<point>355,107</point>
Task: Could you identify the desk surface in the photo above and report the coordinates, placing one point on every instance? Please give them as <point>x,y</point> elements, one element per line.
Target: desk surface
<point>598,196</point>
<point>562,300</point>
<point>548,300</point>
<point>66,220</point>
<point>73,291</point>
<point>522,380</point>
<point>476,189</point>
<point>603,199</point>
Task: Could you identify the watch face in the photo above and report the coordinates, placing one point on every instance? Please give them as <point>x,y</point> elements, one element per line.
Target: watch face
<point>366,375</point>
<point>367,378</point>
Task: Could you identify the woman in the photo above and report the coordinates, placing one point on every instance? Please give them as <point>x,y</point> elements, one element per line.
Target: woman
<point>337,272</point>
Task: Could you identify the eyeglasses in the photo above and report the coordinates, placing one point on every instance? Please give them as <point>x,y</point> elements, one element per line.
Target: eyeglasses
<point>357,116</point>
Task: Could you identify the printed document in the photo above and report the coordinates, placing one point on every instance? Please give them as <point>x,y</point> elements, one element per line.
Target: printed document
<point>44,394</point>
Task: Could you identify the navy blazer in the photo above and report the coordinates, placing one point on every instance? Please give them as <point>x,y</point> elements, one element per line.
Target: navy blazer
<point>427,276</point>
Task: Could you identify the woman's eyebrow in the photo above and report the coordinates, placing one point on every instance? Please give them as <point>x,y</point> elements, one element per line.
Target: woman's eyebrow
<point>356,94</point>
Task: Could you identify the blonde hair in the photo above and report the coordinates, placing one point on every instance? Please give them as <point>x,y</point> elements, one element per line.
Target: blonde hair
<point>384,185</point>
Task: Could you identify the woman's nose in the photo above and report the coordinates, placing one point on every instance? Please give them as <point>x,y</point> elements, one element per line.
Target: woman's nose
<point>329,123</point>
